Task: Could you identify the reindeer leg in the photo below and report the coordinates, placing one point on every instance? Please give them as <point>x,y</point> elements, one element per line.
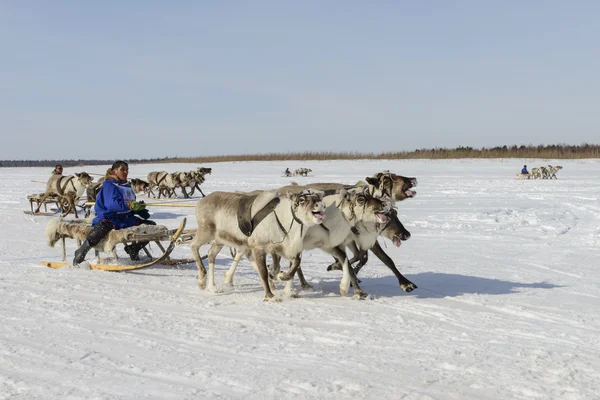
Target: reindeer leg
<point>260,262</point>
<point>405,284</point>
<point>276,265</point>
<point>212,255</point>
<point>349,277</point>
<point>229,274</point>
<point>287,276</point>
<point>195,246</point>
<point>289,286</point>
<point>305,285</point>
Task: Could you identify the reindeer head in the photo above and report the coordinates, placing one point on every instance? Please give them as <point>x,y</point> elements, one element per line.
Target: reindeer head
<point>359,205</point>
<point>394,230</point>
<point>139,185</point>
<point>308,206</point>
<point>198,177</point>
<point>84,178</point>
<point>395,186</point>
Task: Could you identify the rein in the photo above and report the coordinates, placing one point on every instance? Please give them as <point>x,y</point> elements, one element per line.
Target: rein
<point>294,218</point>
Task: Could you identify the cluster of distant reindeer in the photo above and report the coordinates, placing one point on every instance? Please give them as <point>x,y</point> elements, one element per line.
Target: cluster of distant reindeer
<point>67,190</point>
<point>298,172</point>
<point>548,172</point>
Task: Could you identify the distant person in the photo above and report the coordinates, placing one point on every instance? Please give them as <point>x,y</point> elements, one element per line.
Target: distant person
<point>287,172</point>
<point>57,170</point>
<point>524,170</point>
<point>116,208</point>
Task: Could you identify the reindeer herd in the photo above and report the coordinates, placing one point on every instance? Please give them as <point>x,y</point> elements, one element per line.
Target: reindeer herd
<point>166,182</point>
<point>69,189</point>
<point>283,223</point>
<point>548,172</point>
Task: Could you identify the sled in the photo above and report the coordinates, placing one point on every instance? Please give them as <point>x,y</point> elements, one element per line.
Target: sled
<point>60,203</point>
<point>523,176</point>
<point>175,238</point>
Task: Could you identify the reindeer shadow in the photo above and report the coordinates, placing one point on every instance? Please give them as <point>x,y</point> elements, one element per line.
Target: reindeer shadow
<point>167,215</point>
<point>440,285</point>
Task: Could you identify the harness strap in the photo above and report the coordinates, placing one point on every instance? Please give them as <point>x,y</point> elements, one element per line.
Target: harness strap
<point>158,181</point>
<point>297,220</point>
<point>60,188</point>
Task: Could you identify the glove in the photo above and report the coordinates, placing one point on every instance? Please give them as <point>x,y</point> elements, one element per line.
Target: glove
<point>136,206</point>
<point>143,213</point>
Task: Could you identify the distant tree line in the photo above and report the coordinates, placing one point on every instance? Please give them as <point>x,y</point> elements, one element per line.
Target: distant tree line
<point>554,151</point>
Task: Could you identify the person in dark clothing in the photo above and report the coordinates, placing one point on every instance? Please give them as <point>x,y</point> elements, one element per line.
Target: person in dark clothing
<point>287,172</point>
<point>116,208</point>
<point>524,170</point>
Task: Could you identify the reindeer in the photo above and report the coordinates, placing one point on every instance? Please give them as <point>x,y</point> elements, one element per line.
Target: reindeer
<point>263,223</point>
<point>343,212</point>
<point>68,189</point>
<point>384,183</point>
<point>186,179</point>
<point>302,171</point>
<point>199,179</point>
<point>552,170</point>
<point>164,181</point>
<point>204,171</point>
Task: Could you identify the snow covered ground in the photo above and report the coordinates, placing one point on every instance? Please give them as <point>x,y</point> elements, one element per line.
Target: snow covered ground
<point>506,307</point>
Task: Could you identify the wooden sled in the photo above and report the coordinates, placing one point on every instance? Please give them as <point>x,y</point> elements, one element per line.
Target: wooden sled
<point>60,205</point>
<point>175,237</point>
<point>523,176</point>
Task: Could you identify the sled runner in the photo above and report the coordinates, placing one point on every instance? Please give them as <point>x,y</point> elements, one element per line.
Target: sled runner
<point>61,205</point>
<point>174,237</point>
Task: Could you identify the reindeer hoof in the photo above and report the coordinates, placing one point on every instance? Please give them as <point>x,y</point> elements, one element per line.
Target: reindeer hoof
<point>202,283</point>
<point>213,289</point>
<point>360,295</point>
<point>272,299</point>
<point>344,292</point>
<point>408,287</point>
<point>307,287</point>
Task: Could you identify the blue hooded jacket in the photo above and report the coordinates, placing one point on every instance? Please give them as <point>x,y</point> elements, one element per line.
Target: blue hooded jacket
<point>111,204</point>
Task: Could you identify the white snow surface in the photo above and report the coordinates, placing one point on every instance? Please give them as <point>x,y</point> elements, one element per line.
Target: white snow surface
<point>508,276</point>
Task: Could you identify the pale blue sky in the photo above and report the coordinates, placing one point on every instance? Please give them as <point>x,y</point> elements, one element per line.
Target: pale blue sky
<point>138,79</point>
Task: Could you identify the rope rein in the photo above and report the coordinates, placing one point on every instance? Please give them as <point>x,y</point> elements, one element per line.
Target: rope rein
<point>286,233</point>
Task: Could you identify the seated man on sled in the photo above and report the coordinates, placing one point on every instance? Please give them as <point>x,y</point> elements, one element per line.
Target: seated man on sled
<point>116,208</point>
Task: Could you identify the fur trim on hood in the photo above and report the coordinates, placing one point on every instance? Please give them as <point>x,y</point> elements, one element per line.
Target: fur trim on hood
<point>110,176</point>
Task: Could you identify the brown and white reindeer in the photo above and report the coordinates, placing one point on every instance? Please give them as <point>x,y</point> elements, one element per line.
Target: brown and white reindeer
<point>199,180</point>
<point>68,188</point>
<point>263,223</point>
<point>302,171</point>
<point>186,179</point>
<point>164,182</point>
<point>552,170</point>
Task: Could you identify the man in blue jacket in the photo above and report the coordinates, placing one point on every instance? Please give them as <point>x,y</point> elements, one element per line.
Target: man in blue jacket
<point>116,208</point>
